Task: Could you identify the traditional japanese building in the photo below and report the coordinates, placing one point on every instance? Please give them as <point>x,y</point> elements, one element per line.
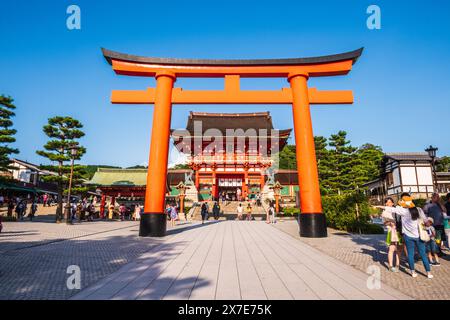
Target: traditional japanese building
<point>403,172</point>
<point>230,152</point>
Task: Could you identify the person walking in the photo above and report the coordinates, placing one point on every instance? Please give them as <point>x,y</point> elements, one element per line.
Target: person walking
<point>216,211</point>
<point>79,211</point>
<point>110,211</point>
<point>173,215</point>
<point>102,210</point>
<point>20,209</point>
<point>45,199</point>
<point>248,210</point>
<point>240,210</point>
<point>122,211</point>
<point>204,212</point>
<point>10,207</point>
<point>137,212</point>
<point>33,210</point>
<point>436,210</point>
<point>272,213</point>
<point>412,226</point>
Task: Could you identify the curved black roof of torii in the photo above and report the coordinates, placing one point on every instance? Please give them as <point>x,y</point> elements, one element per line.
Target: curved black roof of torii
<point>351,55</point>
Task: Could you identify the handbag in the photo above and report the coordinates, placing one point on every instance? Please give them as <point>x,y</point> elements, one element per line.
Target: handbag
<point>423,234</point>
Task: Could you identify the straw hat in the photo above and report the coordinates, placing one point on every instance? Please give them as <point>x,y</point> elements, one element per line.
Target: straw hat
<point>406,202</point>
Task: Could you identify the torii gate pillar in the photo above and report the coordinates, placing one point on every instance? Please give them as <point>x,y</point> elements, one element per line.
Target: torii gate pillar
<point>154,220</point>
<point>312,220</point>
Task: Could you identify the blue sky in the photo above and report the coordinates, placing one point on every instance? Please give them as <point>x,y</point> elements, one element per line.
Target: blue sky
<point>400,83</point>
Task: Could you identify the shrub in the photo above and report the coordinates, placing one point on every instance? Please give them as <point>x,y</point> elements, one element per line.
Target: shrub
<point>420,202</point>
<point>349,212</point>
<point>290,211</point>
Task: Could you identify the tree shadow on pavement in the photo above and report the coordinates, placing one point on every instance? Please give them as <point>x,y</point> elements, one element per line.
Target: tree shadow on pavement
<point>42,272</point>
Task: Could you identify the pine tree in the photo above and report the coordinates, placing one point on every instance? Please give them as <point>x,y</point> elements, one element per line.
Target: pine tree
<point>367,166</point>
<point>323,163</point>
<point>6,133</point>
<point>63,133</point>
<point>287,158</point>
<point>443,164</point>
<point>341,162</point>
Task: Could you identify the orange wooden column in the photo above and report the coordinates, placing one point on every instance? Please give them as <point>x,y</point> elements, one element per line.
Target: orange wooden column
<point>153,221</point>
<point>312,220</point>
<point>214,182</point>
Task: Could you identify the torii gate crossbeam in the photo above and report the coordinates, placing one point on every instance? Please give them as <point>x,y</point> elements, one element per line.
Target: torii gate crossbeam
<point>297,71</point>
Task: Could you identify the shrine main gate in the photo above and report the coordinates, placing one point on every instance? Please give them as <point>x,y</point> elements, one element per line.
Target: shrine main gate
<point>295,70</point>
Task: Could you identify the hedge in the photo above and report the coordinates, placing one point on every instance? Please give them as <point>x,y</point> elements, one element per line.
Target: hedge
<point>348,212</point>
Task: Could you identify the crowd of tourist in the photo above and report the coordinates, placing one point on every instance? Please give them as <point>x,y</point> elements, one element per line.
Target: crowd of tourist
<point>240,210</point>
<point>412,230</point>
<point>20,207</point>
<point>109,211</point>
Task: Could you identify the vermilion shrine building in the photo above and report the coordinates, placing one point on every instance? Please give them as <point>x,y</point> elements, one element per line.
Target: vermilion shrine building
<point>230,152</point>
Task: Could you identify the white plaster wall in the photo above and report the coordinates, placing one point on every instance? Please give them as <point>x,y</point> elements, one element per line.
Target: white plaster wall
<point>408,175</point>
<point>424,175</point>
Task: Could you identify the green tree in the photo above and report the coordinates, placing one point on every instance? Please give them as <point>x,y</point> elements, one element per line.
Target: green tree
<point>367,164</point>
<point>63,133</point>
<point>6,133</point>
<point>341,161</point>
<point>323,163</point>
<point>287,158</point>
<point>443,164</point>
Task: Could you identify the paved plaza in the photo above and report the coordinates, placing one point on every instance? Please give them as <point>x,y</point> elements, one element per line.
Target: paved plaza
<point>235,260</point>
<point>218,260</point>
<point>362,251</point>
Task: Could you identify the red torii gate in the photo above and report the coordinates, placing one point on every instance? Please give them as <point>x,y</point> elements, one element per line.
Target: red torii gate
<point>295,70</point>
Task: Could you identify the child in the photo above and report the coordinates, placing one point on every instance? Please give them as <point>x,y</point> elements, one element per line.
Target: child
<point>432,247</point>
<point>393,238</point>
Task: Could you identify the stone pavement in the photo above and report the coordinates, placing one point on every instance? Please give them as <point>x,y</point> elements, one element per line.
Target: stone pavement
<point>362,251</point>
<point>235,260</point>
<point>34,256</point>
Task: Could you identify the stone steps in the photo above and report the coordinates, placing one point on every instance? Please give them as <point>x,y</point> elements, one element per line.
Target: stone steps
<point>229,211</point>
